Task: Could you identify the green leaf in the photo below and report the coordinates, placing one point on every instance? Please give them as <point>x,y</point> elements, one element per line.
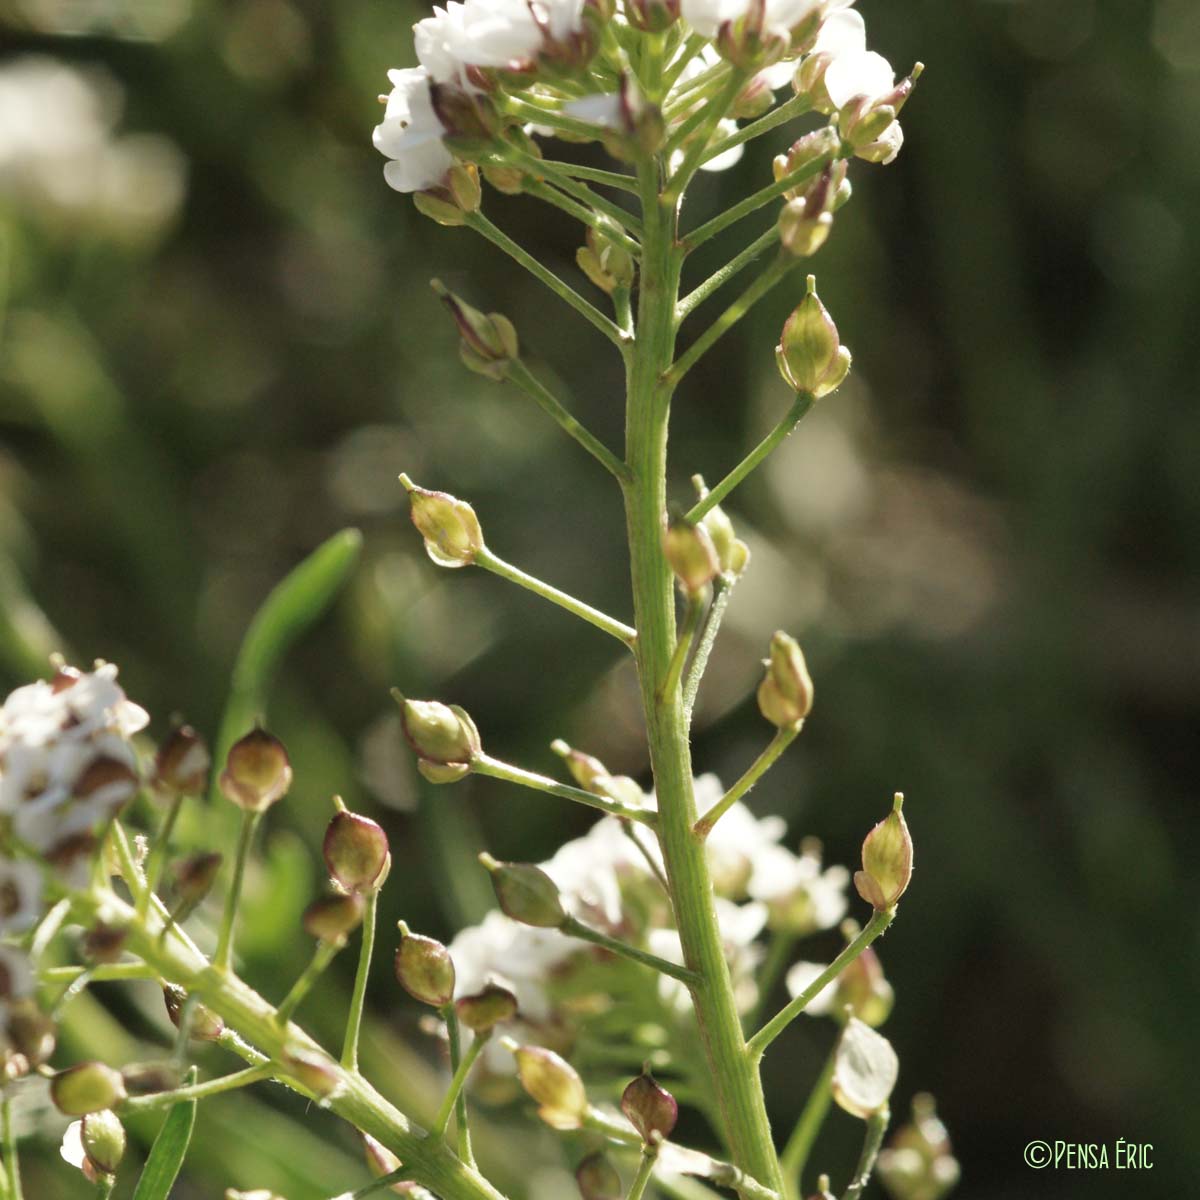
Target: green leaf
<point>167,1153</point>
<point>293,606</point>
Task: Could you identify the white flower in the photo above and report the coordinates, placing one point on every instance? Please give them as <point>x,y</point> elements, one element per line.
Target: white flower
<point>842,33</point>
<point>858,73</point>
<point>801,897</point>
<point>780,17</point>
<point>16,976</point>
<point>20,896</point>
<point>738,839</point>
<point>589,872</point>
<point>727,158</point>
<point>800,975</point>
<point>72,1145</point>
<point>411,134</point>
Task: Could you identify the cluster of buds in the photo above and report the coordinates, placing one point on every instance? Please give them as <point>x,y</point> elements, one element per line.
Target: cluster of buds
<point>785,696</point>
<point>733,555</point>
<point>606,264</point>
<point>810,354</point>
<point>449,526</point>
<point>258,772</point>
<point>919,1163</point>
<point>443,735</point>
<point>887,860</point>
<point>488,341</point>
<point>691,555</point>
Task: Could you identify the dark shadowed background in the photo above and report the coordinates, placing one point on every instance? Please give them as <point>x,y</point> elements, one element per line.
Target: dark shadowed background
<point>219,347</point>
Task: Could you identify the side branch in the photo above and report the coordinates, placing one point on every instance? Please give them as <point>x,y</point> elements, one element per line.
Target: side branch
<point>719,278</point>
<point>484,764</point>
<point>876,1127</point>
<point>797,106</point>
<point>574,928</point>
<point>762,764</point>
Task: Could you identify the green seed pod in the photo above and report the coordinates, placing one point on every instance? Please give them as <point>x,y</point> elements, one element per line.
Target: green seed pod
<point>257,772</point>
<point>182,764</point>
<point>486,1009</point>
<point>808,347</point>
<point>424,968</point>
<point>312,1070</point>
<point>598,1179</point>
<point>887,857</point>
<point>554,1084</point>
<point>356,852</point>
<point>650,1108</point>
<point>785,696</point>
<point>334,917</point>
<point>436,772</point>
<point>87,1088</point>
<point>526,893</point>
<point>204,1024</point>
<point>691,555</point>
<point>439,733</point>
<point>449,526</point>
<point>103,1138</point>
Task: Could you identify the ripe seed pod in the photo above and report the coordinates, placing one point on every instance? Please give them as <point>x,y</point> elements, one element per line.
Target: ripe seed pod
<point>598,1179</point>
<point>810,354</point>
<point>103,1138</point>
<point>424,968</point>
<point>554,1084</point>
<point>691,555</point>
<point>486,1009</point>
<point>334,917</point>
<point>204,1024</point>
<point>887,857</point>
<point>650,1108</point>
<point>526,893</point>
<point>785,696</point>
<point>451,529</point>
<point>439,733</point>
<point>257,772</point>
<point>87,1088</point>
<point>182,763</point>
<point>355,850</point>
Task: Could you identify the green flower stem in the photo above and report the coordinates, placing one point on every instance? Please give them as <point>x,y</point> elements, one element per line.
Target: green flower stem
<point>808,1126</point>
<point>101,973</point>
<point>614,179</point>
<point>455,1100</point>
<point>756,200</point>
<point>691,621</point>
<point>723,587</point>
<point>12,1164</point>
<point>691,47</point>
<point>322,957</point>
<point>223,957</point>
<point>700,127</point>
<point>484,764</point>
<point>157,858</point>
<point>126,863</point>
<point>762,764</point>
<point>734,1077</point>
<point>104,1186</point>
<point>492,562</point>
<point>562,179</point>
<point>574,928</point>
<point>198,1091</point>
<point>637,1189</point>
<point>430,1161</point>
<point>482,225</point>
<point>782,1019</point>
<point>731,316</point>
<point>876,1127</point>
<point>549,117</point>
<point>518,373</point>
<point>630,831</point>
<point>797,106</point>
<point>718,279</point>
<point>686,93</point>
<point>361,976</point>
<point>589,214</point>
<point>799,409</point>
<point>399,1175</point>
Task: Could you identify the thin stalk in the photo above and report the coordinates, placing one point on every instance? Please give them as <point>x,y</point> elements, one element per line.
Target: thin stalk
<point>685,95</point>
<point>691,47</point>
<point>322,957</point>
<point>101,973</point>
<point>723,587</point>
<point>126,862</point>
<point>786,1015</point>
<point>492,562</point>
<point>223,957</point>
<point>575,928</point>
<point>361,976</point>
<point>104,1186</point>
<point>615,179</point>
<point>592,315</point>
<point>799,409</point>
<point>595,216</point>
<point>484,764</point>
<point>779,954</point>
<point>637,1189</point>
<point>591,199</point>
<point>630,831</point>
<point>198,1091</point>
<point>399,1175</point>
<point>691,621</point>
<point>455,1100</point>
<point>718,279</point>
<point>47,930</point>
<point>762,764</point>
<point>158,852</point>
<point>877,1125</point>
<point>552,119</point>
<point>808,1126</point>
<point>518,373</point>
<point>756,200</point>
<point>731,316</point>
<point>12,1163</point>
<point>701,131</point>
<point>795,107</point>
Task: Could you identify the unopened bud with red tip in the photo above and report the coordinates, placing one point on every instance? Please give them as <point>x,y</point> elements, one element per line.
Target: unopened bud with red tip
<point>334,918</point>
<point>489,341</point>
<point>526,893</point>
<point>448,525</point>
<point>652,16</point>
<point>439,733</point>
<point>887,858</point>
<point>424,968</point>
<point>598,1178</point>
<point>810,354</point>
<point>785,696</point>
<point>381,1161</point>
<point>553,1083</point>
<point>755,99</point>
<point>204,1025</point>
<point>637,127</point>
<point>691,555</point>
<point>87,1088</point>
<point>103,1138</point>
<point>257,772</point>
<point>356,852</point>
<point>650,1108</point>
<point>585,769</point>
<point>813,150</point>
<point>919,1163</point>
<point>486,1009</point>
<point>182,763</point>
<point>455,199</point>
<point>468,118</point>
<point>806,220</point>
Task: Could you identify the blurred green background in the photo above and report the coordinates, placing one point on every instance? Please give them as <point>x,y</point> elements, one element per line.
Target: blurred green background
<point>218,347</point>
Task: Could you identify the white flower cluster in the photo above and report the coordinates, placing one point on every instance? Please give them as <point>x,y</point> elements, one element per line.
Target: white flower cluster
<point>66,763</point>
<point>480,50</point>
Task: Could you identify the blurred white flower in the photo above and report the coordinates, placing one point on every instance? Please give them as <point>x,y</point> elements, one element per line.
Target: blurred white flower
<point>16,977</point>
<point>20,896</point>
<point>410,134</point>
<point>800,897</point>
<point>858,72</point>
<point>800,975</point>
<point>738,840</point>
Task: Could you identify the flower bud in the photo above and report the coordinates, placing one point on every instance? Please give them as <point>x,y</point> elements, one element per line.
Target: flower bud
<point>887,857</point>
<point>468,118</point>
<point>691,555</point>
<point>808,350</point>
<point>554,1084</point>
<point>87,1088</point>
<point>652,16</point>
<point>803,232</point>
<point>204,1025</point>
<point>334,917</point>
<point>865,1070</point>
<point>598,1179</point>
<point>586,770</point>
<point>439,733</point>
<point>489,341</point>
<point>103,1138</point>
<point>732,553</point>
<point>746,42</point>
<point>606,264</point>
<point>424,968</point>
<point>785,696</point>
<point>755,99</point>
<point>381,1161</point>
<point>103,944</point>
<point>809,150</point>
<point>448,525</point>
<point>194,878</point>
<point>650,1109</point>
<point>526,893</point>
<point>355,850</point>
<point>182,764</point>
<point>257,772</point>
<point>443,772</point>
<point>486,1009</point>
<point>312,1070</point>
<point>458,196</point>
<point>919,1163</point>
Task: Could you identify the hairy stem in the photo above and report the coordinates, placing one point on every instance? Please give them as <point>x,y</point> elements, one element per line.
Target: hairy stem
<point>575,928</point>
<point>762,764</point>
<point>876,1127</point>
<point>484,764</point>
